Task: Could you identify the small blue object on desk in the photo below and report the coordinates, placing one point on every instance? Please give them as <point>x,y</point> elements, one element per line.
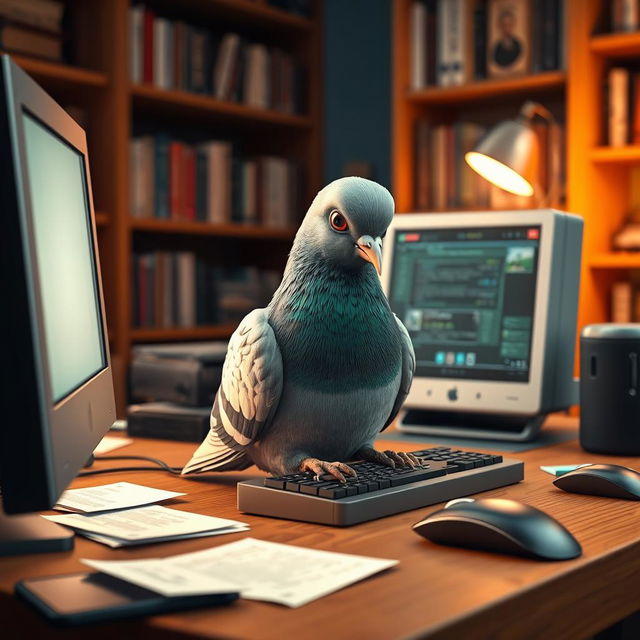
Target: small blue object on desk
<point>563,468</point>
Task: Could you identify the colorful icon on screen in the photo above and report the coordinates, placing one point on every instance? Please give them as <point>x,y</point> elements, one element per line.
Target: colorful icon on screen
<point>440,357</point>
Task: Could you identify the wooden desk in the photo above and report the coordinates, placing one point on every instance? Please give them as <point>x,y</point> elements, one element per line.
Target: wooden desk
<point>435,591</point>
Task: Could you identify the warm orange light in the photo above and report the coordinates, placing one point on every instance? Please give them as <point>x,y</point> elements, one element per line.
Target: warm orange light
<point>498,174</point>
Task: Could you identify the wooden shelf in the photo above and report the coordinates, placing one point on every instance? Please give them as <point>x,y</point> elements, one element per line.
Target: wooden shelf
<point>61,74</point>
<point>235,230</point>
<point>211,332</point>
<point>252,12</point>
<point>184,104</point>
<point>616,155</point>
<point>616,260</point>
<point>620,45</point>
<point>488,89</point>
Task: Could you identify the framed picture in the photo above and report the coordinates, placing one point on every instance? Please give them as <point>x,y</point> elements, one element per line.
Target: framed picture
<point>509,38</point>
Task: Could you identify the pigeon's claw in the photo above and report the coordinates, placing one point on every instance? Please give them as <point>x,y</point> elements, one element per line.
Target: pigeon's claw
<point>389,458</point>
<point>321,468</point>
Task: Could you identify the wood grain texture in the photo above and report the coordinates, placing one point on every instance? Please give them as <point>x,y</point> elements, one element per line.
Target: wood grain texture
<point>487,89</point>
<point>435,591</point>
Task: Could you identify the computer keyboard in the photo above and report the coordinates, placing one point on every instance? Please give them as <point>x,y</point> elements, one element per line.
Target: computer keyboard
<point>378,491</point>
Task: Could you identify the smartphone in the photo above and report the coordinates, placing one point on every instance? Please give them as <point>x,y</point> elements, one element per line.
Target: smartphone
<point>91,597</point>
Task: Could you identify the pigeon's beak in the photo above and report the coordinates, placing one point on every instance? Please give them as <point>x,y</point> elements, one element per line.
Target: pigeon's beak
<point>371,251</point>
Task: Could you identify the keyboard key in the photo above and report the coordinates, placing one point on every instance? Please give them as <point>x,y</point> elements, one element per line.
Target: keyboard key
<point>332,494</point>
<point>311,489</point>
<point>417,475</point>
<point>292,486</point>
<point>274,483</point>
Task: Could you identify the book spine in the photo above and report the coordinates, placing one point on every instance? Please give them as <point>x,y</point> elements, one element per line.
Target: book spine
<point>175,166</point>
<point>621,302</point>
<point>443,74</point>
<point>418,48</point>
<point>161,176</point>
<point>629,15</point>
<point>431,42</point>
<point>41,15</point>
<point>202,207</point>
<point>618,107</point>
<point>136,43</point>
<point>189,168</point>
<point>147,66</point>
<point>550,34</point>
<point>480,41</point>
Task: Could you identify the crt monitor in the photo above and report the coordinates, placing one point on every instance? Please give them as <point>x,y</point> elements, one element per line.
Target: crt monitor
<point>57,391</point>
<point>490,302</point>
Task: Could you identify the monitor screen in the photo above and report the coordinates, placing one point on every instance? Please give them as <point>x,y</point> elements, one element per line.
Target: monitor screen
<point>65,264</point>
<point>467,298</point>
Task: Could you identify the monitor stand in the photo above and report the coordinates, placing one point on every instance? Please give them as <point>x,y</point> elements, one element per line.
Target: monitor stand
<point>31,533</point>
<point>484,426</point>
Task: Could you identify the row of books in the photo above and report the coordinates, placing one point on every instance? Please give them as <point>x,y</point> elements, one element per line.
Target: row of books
<point>622,108</point>
<point>182,289</point>
<point>211,182</point>
<point>445,181</point>
<point>458,41</point>
<point>625,300</point>
<point>625,15</point>
<point>176,55</point>
<point>32,27</point>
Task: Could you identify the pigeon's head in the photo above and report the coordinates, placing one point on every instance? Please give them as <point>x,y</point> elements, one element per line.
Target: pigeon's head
<point>346,223</point>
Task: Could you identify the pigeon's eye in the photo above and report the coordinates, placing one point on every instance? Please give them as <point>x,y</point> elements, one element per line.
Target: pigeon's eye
<point>338,221</point>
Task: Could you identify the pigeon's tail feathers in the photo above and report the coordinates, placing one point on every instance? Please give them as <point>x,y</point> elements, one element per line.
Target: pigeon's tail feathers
<point>215,452</point>
<point>248,396</point>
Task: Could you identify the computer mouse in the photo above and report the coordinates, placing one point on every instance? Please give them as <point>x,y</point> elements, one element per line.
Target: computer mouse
<point>503,526</point>
<point>608,480</point>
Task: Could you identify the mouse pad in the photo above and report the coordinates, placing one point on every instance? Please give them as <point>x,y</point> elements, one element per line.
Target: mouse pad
<point>544,439</point>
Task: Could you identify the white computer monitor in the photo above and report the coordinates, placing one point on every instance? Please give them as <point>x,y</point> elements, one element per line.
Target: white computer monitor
<point>490,302</point>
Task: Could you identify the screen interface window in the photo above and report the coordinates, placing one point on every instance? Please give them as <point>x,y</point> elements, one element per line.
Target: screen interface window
<point>467,298</point>
<point>65,261</point>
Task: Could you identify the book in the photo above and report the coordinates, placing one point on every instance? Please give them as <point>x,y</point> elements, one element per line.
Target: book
<point>26,40</point>
<point>136,43</point>
<point>509,38</point>
<point>621,302</point>
<point>618,115</point>
<point>480,40</point>
<point>147,46</point>
<point>625,15</point>
<point>443,63</point>
<point>41,14</point>
<point>550,28</point>
<point>418,46</point>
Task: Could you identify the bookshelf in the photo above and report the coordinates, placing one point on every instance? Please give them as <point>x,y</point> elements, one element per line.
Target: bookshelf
<point>597,185</point>
<point>98,81</point>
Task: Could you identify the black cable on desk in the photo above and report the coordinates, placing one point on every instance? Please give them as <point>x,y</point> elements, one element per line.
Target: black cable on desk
<point>163,466</point>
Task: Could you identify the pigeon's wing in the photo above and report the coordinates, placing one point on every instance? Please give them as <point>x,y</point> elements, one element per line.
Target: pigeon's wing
<point>246,400</point>
<point>408,368</point>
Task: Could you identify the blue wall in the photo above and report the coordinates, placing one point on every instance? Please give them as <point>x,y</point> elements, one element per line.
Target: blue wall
<point>357,57</point>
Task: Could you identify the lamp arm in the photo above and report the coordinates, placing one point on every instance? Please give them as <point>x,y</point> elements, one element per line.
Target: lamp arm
<point>529,110</point>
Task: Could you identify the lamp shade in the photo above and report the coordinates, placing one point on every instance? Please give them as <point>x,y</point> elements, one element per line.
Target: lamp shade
<point>507,156</point>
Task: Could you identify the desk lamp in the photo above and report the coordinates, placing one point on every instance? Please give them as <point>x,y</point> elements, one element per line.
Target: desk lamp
<point>507,155</point>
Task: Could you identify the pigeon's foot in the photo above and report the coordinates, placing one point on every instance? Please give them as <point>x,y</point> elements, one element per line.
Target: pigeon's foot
<point>337,469</point>
<point>388,458</point>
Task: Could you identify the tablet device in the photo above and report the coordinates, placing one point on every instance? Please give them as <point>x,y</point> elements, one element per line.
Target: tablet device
<point>92,597</point>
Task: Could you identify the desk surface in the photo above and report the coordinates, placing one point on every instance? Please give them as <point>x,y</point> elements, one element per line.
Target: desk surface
<point>435,591</point>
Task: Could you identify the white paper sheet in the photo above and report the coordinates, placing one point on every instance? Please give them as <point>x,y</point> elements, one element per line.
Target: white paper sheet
<point>109,443</point>
<point>117,543</point>
<point>143,523</point>
<point>260,570</point>
<point>109,497</point>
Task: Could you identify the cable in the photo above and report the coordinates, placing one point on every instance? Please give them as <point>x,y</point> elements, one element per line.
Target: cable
<point>163,466</point>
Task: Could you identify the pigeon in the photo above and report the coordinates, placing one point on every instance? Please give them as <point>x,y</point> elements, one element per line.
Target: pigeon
<point>309,381</point>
